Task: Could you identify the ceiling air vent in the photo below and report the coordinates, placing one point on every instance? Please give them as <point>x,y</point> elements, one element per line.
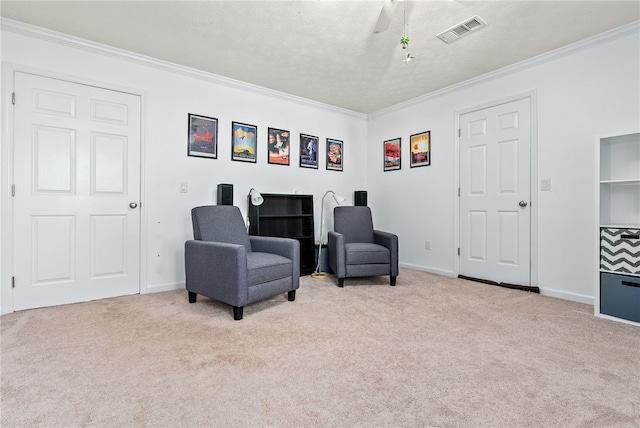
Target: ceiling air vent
<point>462,29</point>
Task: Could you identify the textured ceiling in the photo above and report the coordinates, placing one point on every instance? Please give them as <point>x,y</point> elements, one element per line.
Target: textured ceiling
<point>326,50</point>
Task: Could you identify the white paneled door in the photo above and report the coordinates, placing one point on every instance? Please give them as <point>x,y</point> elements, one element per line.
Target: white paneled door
<point>77,192</point>
<point>495,219</point>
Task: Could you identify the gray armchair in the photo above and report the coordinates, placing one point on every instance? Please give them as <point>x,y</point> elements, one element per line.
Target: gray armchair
<point>356,249</point>
<point>226,264</point>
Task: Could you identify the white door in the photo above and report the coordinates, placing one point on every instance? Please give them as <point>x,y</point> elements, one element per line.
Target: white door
<point>495,193</point>
<point>76,234</point>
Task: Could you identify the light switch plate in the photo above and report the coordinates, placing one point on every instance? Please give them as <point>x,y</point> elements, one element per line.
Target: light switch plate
<point>545,184</point>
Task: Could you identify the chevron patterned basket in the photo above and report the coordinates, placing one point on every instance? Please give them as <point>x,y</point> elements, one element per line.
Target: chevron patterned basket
<point>620,250</point>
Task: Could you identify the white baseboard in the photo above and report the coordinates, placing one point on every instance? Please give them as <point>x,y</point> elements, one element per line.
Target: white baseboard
<point>622,320</point>
<point>164,287</point>
<point>574,297</point>
<point>437,271</point>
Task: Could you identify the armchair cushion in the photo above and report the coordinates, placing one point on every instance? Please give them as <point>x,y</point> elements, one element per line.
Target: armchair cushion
<point>265,267</point>
<point>220,223</point>
<point>355,223</point>
<point>359,253</point>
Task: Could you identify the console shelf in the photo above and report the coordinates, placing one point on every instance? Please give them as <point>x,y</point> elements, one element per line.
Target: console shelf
<point>287,216</point>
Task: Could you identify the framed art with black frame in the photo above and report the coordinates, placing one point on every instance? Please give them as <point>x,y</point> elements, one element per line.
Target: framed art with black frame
<point>278,146</point>
<point>334,154</point>
<point>420,149</point>
<point>308,151</point>
<point>392,154</point>
<point>202,136</point>
<point>243,142</point>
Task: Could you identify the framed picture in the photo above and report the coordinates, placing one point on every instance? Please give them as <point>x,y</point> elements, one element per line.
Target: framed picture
<point>420,149</point>
<point>243,142</point>
<point>308,151</point>
<point>392,154</point>
<point>203,136</point>
<point>334,154</point>
<point>279,146</point>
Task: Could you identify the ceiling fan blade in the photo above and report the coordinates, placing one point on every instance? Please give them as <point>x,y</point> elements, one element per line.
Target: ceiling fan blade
<point>386,13</point>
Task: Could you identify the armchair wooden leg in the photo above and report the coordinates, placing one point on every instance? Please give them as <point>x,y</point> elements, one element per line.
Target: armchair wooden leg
<point>341,282</point>
<point>237,312</point>
<point>192,297</point>
<point>291,295</point>
<point>393,281</point>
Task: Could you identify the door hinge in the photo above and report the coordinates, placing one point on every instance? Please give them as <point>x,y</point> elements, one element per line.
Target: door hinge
<point>13,98</point>
<point>13,190</point>
<point>458,192</point>
<point>459,133</point>
<point>458,250</point>
<point>13,282</point>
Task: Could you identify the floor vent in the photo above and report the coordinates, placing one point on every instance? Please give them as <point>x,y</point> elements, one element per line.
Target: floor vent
<point>462,29</point>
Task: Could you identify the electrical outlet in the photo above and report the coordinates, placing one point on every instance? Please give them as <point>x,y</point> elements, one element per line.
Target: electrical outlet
<point>427,245</point>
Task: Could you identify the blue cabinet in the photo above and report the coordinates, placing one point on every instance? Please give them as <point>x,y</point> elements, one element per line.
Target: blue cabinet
<point>620,296</point>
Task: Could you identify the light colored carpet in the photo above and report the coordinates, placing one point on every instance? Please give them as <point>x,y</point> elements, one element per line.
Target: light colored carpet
<point>432,351</point>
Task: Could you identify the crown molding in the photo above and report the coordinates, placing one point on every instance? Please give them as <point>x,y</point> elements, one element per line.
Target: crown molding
<point>124,55</point>
<point>630,29</point>
<point>121,54</point>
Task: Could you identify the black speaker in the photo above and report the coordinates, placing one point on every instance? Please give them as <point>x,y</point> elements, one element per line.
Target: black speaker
<point>360,198</point>
<point>225,194</point>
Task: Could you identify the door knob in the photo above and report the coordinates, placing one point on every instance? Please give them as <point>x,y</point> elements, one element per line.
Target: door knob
<point>522,203</point>
<point>133,205</point>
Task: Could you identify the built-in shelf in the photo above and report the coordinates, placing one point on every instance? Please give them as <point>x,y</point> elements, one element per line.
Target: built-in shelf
<point>620,157</point>
<point>628,274</point>
<point>617,294</point>
<point>619,225</point>
<point>629,181</point>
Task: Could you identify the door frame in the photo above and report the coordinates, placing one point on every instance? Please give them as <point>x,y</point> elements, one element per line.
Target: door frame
<point>533,180</point>
<point>6,156</point>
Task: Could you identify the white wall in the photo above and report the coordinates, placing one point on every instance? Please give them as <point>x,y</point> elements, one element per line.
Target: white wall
<point>169,96</point>
<point>592,92</point>
<point>580,97</point>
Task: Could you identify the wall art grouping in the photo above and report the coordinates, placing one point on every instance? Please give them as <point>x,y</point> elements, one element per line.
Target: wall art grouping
<point>392,154</point>
<point>420,149</point>
<point>308,151</point>
<point>203,142</point>
<point>334,154</point>
<point>203,136</point>
<point>244,142</point>
<point>278,146</point>
<point>420,145</point>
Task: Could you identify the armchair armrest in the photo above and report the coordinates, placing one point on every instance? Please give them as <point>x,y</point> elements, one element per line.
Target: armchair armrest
<point>385,239</point>
<point>337,257</point>
<point>217,270</point>
<point>390,241</point>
